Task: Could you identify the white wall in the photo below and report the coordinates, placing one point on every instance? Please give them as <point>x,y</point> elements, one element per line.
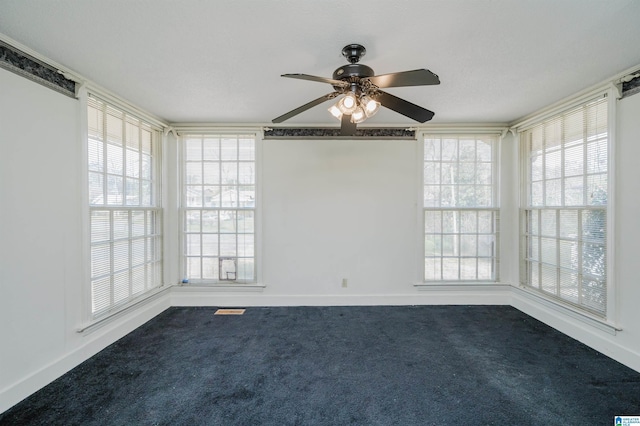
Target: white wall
<point>627,277</point>
<point>42,264</point>
<point>339,209</point>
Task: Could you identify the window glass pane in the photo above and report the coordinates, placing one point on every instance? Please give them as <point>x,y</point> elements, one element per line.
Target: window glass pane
<point>432,269</point>
<point>247,151</point>
<point>245,245</point>
<point>246,269</point>
<point>193,268</point>
<point>192,245</point>
<point>193,149</point>
<point>229,149</point>
<point>114,159</point>
<point>193,173</point>
<point>450,268</point>
<point>209,245</point>
<point>114,129</point>
<point>209,268</point>
<point>96,155</point>
<point>211,147</point>
<point>210,173</point>
<point>114,190</point>
<point>229,173</point>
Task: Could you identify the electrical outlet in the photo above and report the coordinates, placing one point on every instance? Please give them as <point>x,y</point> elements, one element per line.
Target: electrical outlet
<point>344,282</point>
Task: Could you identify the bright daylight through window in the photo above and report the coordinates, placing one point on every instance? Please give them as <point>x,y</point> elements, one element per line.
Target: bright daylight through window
<point>460,208</point>
<point>125,214</point>
<point>218,208</point>
<point>564,221</point>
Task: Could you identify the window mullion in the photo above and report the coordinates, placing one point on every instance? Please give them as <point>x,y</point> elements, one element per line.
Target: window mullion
<point>557,244</point>
<point>580,258</point>
<point>112,296</point>
<point>130,251</point>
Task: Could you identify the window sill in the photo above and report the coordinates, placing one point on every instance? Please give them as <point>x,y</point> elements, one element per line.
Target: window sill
<point>120,311</point>
<point>459,285</point>
<point>223,287</point>
<point>558,306</point>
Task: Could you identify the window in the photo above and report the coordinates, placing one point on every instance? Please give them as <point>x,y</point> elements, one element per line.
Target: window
<point>460,208</point>
<point>219,208</point>
<point>564,220</point>
<point>125,214</point>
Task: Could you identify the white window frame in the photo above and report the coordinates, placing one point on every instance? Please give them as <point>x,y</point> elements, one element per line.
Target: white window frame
<point>494,209</point>
<point>610,93</point>
<point>151,210</point>
<point>184,133</point>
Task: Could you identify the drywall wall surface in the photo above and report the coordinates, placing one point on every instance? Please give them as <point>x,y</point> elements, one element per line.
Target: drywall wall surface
<point>336,210</point>
<point>41,242</point>
<point>627,223</point>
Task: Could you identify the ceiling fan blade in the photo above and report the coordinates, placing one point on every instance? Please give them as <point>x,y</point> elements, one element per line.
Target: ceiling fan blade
<point>403,107</point>
<point>338,83</point>
<point>305,107</point>
<point>347,128</point>
<point>420,77</point>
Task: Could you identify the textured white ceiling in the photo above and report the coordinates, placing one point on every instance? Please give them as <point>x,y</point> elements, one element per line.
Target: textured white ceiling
<point>221,61</point>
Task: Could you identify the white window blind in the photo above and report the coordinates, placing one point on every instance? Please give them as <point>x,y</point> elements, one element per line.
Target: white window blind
<point>219,208</point>
<point>125,214</point>
<point>564,220</point>
<point>460,208</point>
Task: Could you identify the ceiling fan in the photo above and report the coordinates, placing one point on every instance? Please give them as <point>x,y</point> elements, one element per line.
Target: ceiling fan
<point>362,95</point>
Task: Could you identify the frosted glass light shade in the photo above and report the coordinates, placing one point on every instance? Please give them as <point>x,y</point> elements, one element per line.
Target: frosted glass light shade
<point>358,116</point>
<point>369,105</point>
<point>335,111</point>
<point>348,103</point>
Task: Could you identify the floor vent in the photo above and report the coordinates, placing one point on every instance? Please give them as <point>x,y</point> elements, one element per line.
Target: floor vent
<point>229,312</point>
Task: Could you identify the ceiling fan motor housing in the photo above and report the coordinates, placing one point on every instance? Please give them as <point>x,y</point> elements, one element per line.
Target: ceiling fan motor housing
<point>346,72</point>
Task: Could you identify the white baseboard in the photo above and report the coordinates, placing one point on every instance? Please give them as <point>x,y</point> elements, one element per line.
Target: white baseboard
<point>444,295</point>
<point>89,346</point>
<point>588,332</point>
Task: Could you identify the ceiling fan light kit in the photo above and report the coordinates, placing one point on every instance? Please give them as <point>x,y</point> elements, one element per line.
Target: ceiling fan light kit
<point>361,95</point>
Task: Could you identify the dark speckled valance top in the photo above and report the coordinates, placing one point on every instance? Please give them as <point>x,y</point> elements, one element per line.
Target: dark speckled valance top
<point>631,87</point>
<point>15,60</point>
<point>327,133</point>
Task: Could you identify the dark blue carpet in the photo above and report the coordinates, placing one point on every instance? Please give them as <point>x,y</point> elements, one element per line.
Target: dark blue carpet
<point>418,365</point>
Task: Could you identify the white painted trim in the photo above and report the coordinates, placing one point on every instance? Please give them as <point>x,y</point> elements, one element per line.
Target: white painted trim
<point>85,222</point>
<point>592,320</point>
<point>458,129</point>
<point>420,234</point>
<point>217,287</point>
<point>130,109</point>
<point>441,296</point>
<point>91,345</point>
<point>111,316</point>
<point>199,129</point>
<point>566,104</point>
<point>583,331</point>
<point>257,212</point>
<point>612,311</point>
